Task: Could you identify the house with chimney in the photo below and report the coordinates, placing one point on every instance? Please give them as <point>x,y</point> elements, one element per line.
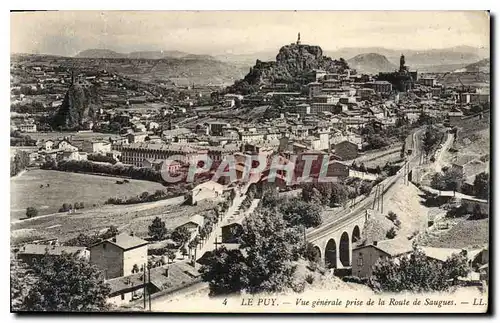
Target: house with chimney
<point>116,256</point>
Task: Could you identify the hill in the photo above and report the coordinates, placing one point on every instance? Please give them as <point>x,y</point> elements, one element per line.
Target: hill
<point>371,63</point>
<point>99,53</point>
<point>420,58</point>
<point>78,108</point>
<point>294,64</point>
<point>482,66</point>
<point>157,54</point>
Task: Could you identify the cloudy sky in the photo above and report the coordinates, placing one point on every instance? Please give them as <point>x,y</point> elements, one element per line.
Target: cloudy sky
<point>218,32</point>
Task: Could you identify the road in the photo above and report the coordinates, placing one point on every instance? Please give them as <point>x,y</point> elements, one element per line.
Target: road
<point>451,193</point>
<point>440,153</point>
<point>347,215</point>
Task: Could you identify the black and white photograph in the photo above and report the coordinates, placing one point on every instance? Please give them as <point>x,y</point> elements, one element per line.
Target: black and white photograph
<point>250,161</point>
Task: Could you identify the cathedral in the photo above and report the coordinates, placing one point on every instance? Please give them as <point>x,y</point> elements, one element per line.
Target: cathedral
<point>403,80</point>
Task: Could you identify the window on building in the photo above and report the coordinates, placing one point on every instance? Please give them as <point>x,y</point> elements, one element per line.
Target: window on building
<point>103,246</point>
<point>123,297</point>
<point>360,260</point>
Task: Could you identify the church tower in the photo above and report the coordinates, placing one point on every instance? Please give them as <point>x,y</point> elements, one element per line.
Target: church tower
<point>402,66</point>
<point>298,39</point>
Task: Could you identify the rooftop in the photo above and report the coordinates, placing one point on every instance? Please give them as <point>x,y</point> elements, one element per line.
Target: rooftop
<point>40,249</point>
<point>125,241</point>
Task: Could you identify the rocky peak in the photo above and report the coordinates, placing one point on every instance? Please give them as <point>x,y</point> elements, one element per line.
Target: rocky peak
<point>78,108</point>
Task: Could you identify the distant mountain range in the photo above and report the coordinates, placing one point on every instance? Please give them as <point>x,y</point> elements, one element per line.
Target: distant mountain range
<point>432,60</point>
<point>371,63</point>
<point>482,66</point>
<point>160,54</point>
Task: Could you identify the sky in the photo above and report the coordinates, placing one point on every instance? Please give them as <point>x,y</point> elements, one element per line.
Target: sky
<point>242,32</point>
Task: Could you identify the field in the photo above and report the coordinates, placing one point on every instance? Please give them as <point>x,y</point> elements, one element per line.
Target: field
<point>67,187</point>
<point>74,135</point>
<point>127,218</point>
<point>464,233</point>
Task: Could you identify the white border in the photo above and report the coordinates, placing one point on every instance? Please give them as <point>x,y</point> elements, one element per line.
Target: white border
<point>195,5</point>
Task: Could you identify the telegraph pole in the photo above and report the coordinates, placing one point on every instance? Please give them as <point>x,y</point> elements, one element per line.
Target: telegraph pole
<point>382,200</point>
<point>149,294</point>
<point>144,281</point>
<point>375,198</point>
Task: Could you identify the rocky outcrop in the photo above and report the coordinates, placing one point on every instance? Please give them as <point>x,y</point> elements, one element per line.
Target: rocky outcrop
<point>294,63</point>
<point>78,109</point>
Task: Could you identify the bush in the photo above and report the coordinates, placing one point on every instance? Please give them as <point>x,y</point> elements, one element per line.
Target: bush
<point>31,212</point>
<point>391,233</point>
<point>310,279</point>
<point>392,216</point>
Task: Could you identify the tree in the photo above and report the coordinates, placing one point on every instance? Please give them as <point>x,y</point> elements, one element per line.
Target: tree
<point>392,216</point>
<point>269,247</point>
<point>111,232</point>
<point>157,229</point>
<point>297,213</point>
<point>482,185</point>
<point>391,234</point>
<point>170,254</point>
<point>66,283</point>
<point>450,180</point>
<point>83,240</point>
<point>429,140</point>
<point>226,272</point>
<point>31,212</point>
<point>417,273</point>
<point>181,235</point>
<point>339,194</point>
<point>311,253</point>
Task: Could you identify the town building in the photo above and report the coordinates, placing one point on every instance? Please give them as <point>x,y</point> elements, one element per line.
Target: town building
<point>27,127</point>
<point>116,256</point>
<point>97,146</point>
<point>365,257</point>
<point>31,253</point>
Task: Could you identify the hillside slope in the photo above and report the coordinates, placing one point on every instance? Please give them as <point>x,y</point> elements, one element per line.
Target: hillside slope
<point>371,63</point>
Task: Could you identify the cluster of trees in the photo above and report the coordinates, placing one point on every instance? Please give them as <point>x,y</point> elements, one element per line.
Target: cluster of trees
<point>64,283</point>
<point>362,168</point>
<point>418,273</point>
<point>17,138</point>
<point>169,253</point>
<point>66,207</point>
<point>374,136</point>
<point>157,230</point>
<point>432,137</point>
<point>147,197</point>
<point>101,158</point>
<point>20,161</point>
<point>481,186</point>
<point>264,262</point>
<point>450,179</point>
<point>330,193</point>
<point>84,240</point>
<point>300,213</point>
<point>85,166</point>
<point>113,127</point>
